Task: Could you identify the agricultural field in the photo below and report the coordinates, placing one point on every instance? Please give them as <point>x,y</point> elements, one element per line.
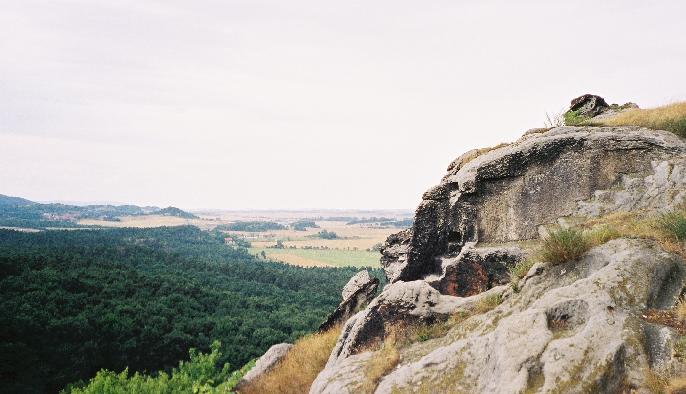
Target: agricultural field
<point>321,257</point>
<point>354,244</point>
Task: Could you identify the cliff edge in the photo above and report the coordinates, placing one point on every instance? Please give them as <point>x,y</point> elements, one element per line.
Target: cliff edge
<point>545,265</point>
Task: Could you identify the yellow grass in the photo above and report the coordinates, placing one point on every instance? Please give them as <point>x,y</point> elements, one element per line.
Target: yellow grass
<point>670,117</point>
<point>297,260</point>
<point>382,362</point>
<point>301,365</point>
<point>680,309</point>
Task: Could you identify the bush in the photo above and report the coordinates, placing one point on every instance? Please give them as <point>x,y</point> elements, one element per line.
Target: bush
<point>564,245</point>
<point>201,374</point>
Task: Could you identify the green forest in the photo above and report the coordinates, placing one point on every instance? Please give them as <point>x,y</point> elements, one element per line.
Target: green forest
<point>75,302</point>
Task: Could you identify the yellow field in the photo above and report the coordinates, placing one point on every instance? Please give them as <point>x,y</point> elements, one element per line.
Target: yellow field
<point>352,236</point>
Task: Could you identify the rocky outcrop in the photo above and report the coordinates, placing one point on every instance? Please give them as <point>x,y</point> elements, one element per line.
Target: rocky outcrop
<point>592,107</point>
<point>265,363</point>
<point>574,327</point>
<point>357,293</point>
<point>509,193</point>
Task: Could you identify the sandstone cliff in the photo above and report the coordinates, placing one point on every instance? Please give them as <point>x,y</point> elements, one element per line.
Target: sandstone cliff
<point>466,310</point>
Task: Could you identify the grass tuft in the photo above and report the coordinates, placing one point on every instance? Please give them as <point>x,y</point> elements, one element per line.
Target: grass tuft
<point>301,365</point>
<point>563,245</point>
<point>487,303</point>
<point>519,271</point>
<point>670,117</point>
<point>673,223</point>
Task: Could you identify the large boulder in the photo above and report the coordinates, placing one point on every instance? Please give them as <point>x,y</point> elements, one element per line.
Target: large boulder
<point>510,193</point>
<point>589,105</point>
<point>266,363</point>
<point>357,293</point>
<point>401,303</point>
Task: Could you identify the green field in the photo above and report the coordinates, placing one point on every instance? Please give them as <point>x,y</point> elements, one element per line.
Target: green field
<point>315,257</point>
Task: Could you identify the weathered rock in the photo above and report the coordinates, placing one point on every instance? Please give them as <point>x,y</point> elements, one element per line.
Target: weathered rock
<point>265,363</point>
<point>399,303</point>
<point>508,193</point>
<point>476,270</point>
<point>359,281</point>
<point>357,293</point>
<point>589,105</point>
<point>573,328</point>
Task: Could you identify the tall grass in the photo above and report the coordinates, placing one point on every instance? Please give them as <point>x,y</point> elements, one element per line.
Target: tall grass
<point>301,365</point>
<point>670,117</point>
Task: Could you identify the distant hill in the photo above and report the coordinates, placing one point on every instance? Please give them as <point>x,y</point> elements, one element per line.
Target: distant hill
<point>14,201</point>
<point>173,211</point>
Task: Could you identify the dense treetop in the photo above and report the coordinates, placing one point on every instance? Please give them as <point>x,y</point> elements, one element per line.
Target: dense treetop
<point>74,302</point>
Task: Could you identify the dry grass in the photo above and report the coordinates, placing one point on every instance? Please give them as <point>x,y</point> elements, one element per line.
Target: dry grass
<point>662,383</point>
<point>382,362</point>
<point>299,368</point>
<point>680,309</point>
<point>677,385</point>
<point>487,303</point>
<point>670,117</point>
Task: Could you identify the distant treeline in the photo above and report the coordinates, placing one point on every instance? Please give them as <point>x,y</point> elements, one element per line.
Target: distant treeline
<point>74,302</point>
<point>19,212</point>
<point>251,226</point>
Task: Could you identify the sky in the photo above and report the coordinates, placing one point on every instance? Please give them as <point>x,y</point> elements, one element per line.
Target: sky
<point>302,104</point>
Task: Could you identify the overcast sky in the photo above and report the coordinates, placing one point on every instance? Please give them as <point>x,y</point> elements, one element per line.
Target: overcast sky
<point>302,104</point>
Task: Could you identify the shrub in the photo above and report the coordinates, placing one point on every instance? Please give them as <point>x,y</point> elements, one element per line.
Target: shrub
<point>670,117</point>
<point>564,245</point>
<point>674,223</point>
<point>298,369</point>
<point>200,374</point>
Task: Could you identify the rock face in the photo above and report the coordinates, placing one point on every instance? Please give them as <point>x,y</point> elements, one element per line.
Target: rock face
<point>575,327</point>
<point>359,290</point>
<point>265,363</point>
<point>509,193</point>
